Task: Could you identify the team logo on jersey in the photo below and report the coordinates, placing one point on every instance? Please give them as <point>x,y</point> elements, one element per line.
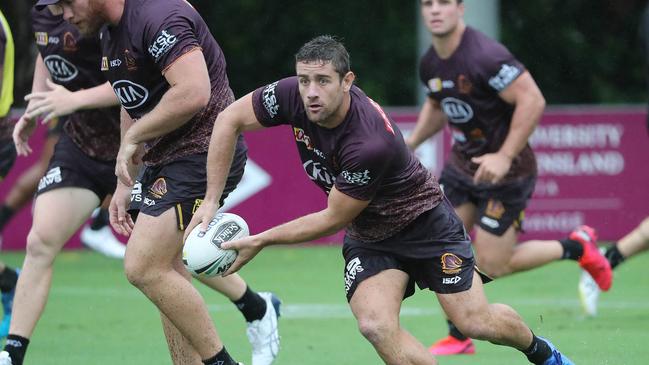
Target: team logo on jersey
<point>69,42</point>
<point>495,209</point>
<point>464,86</point>
<point>269,100</point>
<point>159,188</point>
<point>104,64</point>
<point>506,75</point>
<point>357,178</point>
<point>41,38</point>
<point>130,61</point>
<point>451,264</point>
<point>130,94</point>
<point>319,173</point>
<point>60,69</point>
<point>456,110</point>
<point>162,44</point>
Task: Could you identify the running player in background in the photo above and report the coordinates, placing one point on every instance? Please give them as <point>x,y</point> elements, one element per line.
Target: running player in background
<point>8,275</point>
<point>492,105</point>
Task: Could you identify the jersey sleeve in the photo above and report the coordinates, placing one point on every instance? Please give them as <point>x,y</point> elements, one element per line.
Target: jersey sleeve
<point>363,167</point>
<point>169,33</point>
<point>277,103</point>
<point>498,66</point>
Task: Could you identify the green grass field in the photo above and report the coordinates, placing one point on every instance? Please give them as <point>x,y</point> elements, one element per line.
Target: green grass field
<point>95,317</point>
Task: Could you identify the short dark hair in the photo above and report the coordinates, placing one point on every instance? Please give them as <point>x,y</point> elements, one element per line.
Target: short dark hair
<point>325,48</point>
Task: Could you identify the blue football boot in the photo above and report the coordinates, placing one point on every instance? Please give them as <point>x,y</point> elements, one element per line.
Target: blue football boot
<point>557,358</point>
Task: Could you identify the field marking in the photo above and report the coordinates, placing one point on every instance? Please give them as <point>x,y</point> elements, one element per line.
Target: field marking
<point>321,310</point>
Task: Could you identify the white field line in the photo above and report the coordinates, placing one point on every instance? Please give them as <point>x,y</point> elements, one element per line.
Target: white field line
<point>316,310</point>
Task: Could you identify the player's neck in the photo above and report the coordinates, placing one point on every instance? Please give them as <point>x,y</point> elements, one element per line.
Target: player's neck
<point>446,44</point>
<point>114,10</point>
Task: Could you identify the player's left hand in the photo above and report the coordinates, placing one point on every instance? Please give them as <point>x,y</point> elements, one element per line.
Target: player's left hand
<point>247,248</point>
<point>57,101</point>
<point>493,167</point>
<point>127,158</point>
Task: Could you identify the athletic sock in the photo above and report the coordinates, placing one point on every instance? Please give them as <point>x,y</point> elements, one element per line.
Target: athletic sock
<point>251,305</point>
<point>538,352</point>
<point>221,358</point>
<point>16,346</point>
<point>8,279</point>
<point>454,332</point>
<point>614,256</point>
<point>100,221</point>
<point>5,215</point>
<point>572,250</point>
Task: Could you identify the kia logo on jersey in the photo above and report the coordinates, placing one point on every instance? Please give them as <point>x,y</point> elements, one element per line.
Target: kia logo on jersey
<point>130,94</point>
<point>457,110</point>
<point>61,69</point>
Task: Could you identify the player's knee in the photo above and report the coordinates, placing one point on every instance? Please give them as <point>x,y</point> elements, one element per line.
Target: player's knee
<point>376,330</point>
<point>474,327</point>
<point>39,248</point>
<point>136,273</point>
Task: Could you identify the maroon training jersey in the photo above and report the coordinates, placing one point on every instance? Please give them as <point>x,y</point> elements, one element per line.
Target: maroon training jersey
<point>364,157</point>
<point>467,85</point>
<point>73,62</point>
<point>6,127</point>
<point>149,38</point>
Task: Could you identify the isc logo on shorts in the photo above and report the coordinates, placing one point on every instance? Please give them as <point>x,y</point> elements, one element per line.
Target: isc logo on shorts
<point>451,281</point>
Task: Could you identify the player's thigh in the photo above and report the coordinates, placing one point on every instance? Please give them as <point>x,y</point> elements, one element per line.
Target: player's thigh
<point>492,250</point>
<point>465,306</point>
<point>155,240</point>
<point>59,213</point>
<point>467,213</point>
<point>377,299</point>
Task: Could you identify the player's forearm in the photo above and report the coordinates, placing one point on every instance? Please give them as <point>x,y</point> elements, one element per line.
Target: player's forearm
<point>40,75</point>
<point>526,117</point>
<point>176,107</point>
<point>304,229</point>
<point>219,158</point>
<point>429,122</point>
<point>101,96</point>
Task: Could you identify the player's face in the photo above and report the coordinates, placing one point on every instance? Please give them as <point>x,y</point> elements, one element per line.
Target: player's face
<point>441,16</point>
<point>86,15</point>
<point>323,91</point>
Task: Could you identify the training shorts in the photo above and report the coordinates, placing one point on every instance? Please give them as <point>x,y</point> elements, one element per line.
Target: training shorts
<point>70,167</point>
<point>434,250</point>
<point>499,206</point>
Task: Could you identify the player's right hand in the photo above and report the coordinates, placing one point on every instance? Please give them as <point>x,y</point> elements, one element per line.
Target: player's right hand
<point>120,219</point>
<point>22,131</point>
<point>203,215</point>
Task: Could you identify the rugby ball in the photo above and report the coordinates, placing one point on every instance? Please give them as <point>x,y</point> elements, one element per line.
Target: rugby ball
<point>202,252</point>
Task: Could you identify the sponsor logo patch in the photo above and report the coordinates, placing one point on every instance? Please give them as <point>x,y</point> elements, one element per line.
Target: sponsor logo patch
<point>53,176</point>
<point>197,204</point>
<point>505,76</point>
<point>489,222</point>
<point>435,85</point>
<point>317,172</point>
<point>41,38</point>
<point>60,69</point>
<point>451,281</point>
<point>357,178</point>
<point>130,94</point>
<point>269,100</point>
<point>451,264</point>
<point>136,192</point>
<point>162,44</point>
<point>104,63</point>
<point>458,111</point>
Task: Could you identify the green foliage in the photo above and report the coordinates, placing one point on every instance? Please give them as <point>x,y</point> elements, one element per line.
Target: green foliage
<point>579,51</point>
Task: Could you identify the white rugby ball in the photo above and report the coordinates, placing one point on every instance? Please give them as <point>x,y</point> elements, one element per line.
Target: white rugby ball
<point>202,252</point>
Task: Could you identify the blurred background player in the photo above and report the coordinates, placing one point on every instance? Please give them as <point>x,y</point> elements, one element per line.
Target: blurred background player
<point>492,105</point>
<point>8,275</point>
<point>634,243</point>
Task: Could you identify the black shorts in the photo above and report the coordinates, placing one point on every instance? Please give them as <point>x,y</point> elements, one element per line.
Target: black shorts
<point>179,184</point>
<point>70,167</point>
<point>434,250</point>
<point>7,156</point>
<point>499,206</point>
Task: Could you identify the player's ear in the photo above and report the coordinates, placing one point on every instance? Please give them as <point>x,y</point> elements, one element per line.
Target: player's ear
<point>348,81</point>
